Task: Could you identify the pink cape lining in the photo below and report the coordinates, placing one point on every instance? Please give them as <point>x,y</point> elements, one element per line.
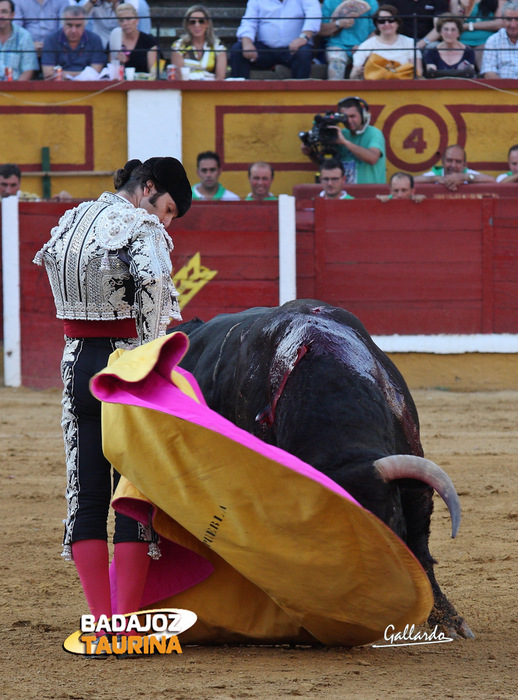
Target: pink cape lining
<point>179,568</point>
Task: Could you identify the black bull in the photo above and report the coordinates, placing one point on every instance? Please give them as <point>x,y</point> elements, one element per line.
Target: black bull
<point>308,378</point>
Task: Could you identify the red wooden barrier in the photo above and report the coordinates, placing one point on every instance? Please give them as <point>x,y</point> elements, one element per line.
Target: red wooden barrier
<point>442,266</point>
<point>466,191</point>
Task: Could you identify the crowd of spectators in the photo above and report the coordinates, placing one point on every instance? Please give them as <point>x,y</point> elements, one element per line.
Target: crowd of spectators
<point>360,39</point>
<point>353,38</point>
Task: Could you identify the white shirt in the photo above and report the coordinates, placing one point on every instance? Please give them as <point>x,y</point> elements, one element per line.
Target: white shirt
<point>401,51</point>
<point>343,195</point>
<point>222,194</point>
<point>278,23</point>
<point>466,171</point>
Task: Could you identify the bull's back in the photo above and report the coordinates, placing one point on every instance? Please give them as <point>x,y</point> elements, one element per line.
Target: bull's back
<point>242,362</point>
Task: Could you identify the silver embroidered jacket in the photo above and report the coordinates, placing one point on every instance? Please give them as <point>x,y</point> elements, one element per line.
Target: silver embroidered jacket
<point>109,260</point>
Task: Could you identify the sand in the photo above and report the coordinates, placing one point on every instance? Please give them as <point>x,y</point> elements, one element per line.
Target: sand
<point>474,436</point>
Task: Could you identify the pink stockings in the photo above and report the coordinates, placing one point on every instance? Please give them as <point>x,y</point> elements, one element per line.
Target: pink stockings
<point>131,564</point>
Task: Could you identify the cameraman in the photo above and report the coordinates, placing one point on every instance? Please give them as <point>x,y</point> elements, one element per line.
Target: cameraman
<point>360,146</point>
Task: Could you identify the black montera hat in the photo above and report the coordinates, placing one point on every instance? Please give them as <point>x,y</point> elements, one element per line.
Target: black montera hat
<point>170,175</point>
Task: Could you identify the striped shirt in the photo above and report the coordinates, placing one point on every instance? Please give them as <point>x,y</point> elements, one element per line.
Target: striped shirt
<point>500,56</point>
<point>18,53</point>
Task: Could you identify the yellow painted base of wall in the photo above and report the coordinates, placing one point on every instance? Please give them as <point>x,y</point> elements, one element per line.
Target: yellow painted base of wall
<point>468,372</point>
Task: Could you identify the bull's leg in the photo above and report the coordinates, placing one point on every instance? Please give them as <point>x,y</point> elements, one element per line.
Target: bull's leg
<point>417,510</point>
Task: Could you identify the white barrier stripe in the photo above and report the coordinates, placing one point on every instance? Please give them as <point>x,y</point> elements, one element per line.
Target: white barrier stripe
<point>449,344</point>
<point>161,112</point>
<point>11,292</point>
<point>287,249</point>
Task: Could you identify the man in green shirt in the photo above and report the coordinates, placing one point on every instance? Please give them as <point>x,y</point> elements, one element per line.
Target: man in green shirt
<point>260,177</point>
<point>360,147</point>
<point>332,178</point>
<point>208,167</point>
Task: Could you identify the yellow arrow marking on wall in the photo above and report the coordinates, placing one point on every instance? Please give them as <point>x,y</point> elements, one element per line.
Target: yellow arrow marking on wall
<point>191,278</point>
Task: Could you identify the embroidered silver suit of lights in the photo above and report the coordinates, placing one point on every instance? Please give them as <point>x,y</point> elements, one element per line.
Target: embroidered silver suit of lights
<point>108,260</point>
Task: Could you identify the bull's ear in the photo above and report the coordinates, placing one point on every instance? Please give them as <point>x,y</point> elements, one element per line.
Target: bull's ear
<point>412,467</point>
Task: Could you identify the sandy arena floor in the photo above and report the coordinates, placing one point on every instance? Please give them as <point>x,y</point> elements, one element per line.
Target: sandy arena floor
<point>474,436</point>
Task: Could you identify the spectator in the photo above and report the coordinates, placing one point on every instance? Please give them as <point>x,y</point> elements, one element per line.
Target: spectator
<point>388,54</point>
<point>208,168</point>
<point>260,177</point>
<point>418,18</point>
<point>343,34</point>
<point>274,33</point>
<point>454,171</point>
<point>449,54</point>
<point>332,177</point>
<point>103,17</point>
<point>128,45</point>
<point>500,54</point>
<point>482,18</point>
<point>512,174</point>
<point>198,48</point>
<point>16,46</point>
<point>360,147</point>
<point>40,18</point>
<point>72,47</point>
<point>402,186</point>
<point>10,182</point>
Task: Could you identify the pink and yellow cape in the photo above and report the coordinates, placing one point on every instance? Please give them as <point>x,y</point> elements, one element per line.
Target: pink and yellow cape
<point>260,545</point>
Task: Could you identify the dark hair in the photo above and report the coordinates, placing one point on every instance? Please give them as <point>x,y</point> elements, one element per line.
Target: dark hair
<point>400,173</point>
<point>391,10</point>
<point>487,8</point>
<point>133,175</point>
<point>167,175</point>
<point>261,162</point>
<point>11,5</point>
<point>360,105</point>
<point>513,148</point>
<point>449,17</point>
<point>331,164</point>
<point>208,154</point>
<point>10,169</point>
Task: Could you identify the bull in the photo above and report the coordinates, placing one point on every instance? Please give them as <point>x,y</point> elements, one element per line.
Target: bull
<point>308,378</point>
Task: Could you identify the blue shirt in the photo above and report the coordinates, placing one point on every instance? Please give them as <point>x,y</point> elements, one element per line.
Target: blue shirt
<point>58,52</point>
<point>18,53</point>
<point>39,19</point>
<point>276,23</point>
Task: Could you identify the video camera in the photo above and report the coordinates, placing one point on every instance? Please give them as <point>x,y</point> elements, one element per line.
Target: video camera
<point>320,138</point>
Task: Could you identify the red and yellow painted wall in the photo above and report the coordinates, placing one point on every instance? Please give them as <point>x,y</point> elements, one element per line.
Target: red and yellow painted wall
<point>88,127</point>
<point>451,268</point>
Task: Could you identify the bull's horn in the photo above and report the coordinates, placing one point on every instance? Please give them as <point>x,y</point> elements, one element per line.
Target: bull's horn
<point>412,467</point>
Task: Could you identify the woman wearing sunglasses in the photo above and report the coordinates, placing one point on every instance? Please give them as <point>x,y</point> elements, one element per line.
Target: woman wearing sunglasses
<point>198,48</point>
<point>387,54</point>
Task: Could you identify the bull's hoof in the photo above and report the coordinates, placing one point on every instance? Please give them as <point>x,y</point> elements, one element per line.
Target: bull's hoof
<point>463,631</point>
<point>453,626</point>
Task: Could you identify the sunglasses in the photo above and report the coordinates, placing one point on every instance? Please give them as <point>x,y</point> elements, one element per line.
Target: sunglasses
<point>386,20</point>
<point>197,20</point>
